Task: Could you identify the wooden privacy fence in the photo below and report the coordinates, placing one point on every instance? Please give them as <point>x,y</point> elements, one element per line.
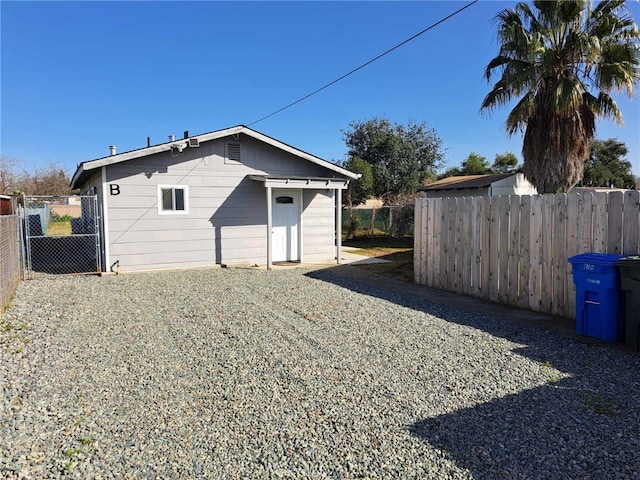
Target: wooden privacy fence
<point>514,249</point>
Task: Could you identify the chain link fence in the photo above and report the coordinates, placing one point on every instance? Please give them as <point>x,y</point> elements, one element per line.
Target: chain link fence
<point>10,272</point>
<point>60,235</point>
<point>394,221</point>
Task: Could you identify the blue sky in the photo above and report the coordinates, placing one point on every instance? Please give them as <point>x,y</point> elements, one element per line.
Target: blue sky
<point>77,77</point>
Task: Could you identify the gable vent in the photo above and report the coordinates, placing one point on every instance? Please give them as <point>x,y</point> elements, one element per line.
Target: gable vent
<point>233,153</point>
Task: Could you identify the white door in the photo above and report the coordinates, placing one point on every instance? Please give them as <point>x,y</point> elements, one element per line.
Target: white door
<point>286,219</point>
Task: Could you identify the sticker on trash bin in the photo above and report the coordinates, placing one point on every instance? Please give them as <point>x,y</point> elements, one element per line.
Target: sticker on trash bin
<point>593,280</point>
<point>590,267</point>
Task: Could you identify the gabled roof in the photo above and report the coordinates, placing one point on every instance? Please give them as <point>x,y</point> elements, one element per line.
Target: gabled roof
<point>465,182</point>
<point>85,168</point>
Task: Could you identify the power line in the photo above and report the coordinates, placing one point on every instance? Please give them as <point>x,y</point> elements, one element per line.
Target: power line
<point>367,63</point>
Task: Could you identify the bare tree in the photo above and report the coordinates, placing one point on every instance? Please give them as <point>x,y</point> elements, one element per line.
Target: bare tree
<point>49,180</point>
<point>8,175</point>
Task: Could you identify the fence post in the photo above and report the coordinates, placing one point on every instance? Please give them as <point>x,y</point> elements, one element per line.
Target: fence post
<point>418,239</point>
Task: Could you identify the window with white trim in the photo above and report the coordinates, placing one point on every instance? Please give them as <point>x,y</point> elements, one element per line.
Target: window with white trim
<point>173,199</point>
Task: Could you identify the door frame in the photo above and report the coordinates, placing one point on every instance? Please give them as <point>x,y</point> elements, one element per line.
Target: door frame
<point>296,194</point>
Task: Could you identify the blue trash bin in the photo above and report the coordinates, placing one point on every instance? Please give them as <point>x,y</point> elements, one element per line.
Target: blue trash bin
<point>598,296</point>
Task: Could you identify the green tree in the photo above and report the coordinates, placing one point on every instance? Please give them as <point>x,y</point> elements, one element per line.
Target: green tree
<point>401,157</point>
<point>450,172</point>
<point>475,164</point>
<point>607,166</point>
<point>505,163</point>
<point>561,60</point>
<point>359,190</point>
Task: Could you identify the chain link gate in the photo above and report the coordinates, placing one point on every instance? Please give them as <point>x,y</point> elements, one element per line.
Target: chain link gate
<point>60,235</point>
<point>395,221</point>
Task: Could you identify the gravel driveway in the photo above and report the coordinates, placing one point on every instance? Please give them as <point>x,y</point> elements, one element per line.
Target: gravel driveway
<point>233,373</point>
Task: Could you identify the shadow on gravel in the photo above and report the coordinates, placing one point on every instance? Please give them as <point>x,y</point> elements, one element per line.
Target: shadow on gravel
<point>551,431</point>
<point>583,425</point>
<point>457,309</point>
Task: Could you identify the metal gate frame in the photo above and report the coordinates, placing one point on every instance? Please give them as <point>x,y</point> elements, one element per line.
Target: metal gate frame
<point>73,249</point>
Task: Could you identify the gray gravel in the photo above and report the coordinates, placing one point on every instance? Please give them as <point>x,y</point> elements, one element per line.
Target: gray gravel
<point>239,373</point>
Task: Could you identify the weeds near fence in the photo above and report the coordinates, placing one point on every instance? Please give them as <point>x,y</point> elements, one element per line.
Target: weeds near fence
<point>14,337</point>
<point>79,437</point>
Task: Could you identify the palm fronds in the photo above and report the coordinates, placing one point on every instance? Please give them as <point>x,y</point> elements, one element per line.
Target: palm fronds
<point>562,59</point>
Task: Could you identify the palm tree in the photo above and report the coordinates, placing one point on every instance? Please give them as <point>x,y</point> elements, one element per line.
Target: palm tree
<point>562,60</point>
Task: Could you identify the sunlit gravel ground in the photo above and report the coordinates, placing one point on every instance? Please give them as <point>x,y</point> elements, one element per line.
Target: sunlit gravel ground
<point>238,373</point>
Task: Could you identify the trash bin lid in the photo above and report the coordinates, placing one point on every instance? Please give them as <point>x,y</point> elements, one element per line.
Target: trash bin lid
<point>607,259</point>
<point>632,261</point>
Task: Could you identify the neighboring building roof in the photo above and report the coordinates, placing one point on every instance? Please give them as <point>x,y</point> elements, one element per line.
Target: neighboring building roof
<point>84,168</point>
<point>370,203</point>
<point>465,182</point>
<point>599,189</point>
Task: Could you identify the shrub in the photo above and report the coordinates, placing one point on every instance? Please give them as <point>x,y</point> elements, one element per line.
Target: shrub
<point>56,217</point>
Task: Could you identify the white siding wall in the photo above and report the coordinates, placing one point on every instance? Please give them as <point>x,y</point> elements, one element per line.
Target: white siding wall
<point>226,220</point>
<point>318,226</point>
<point>514,185</point>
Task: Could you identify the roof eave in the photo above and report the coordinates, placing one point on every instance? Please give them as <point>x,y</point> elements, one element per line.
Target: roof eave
<point>76,176</point>
<point>300,153</point>
<point>284,181</point>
